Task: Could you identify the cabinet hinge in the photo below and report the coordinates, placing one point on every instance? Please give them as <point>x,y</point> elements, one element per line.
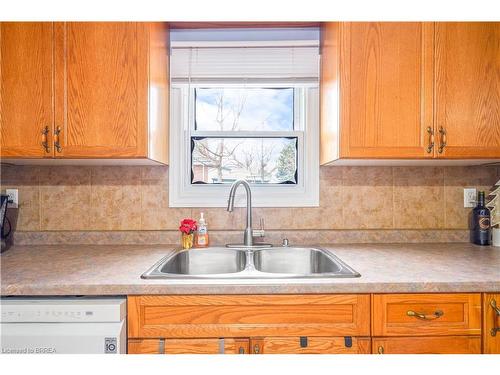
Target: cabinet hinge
<point>348,341</point>
<point>303,341</point>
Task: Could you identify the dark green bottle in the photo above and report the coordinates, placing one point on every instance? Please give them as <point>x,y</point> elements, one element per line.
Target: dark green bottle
<point>480,224</point>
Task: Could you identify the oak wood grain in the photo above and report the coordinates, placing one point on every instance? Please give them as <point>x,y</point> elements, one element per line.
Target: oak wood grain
<point>427,345</point>
<point>247,316</point>
<point>491,344</point>
<point>25,88</point>
<point>188,346</point>
<point>329,92</point>
<point>315,345</point>
<point>467,84</point>
<point>159,92</point>
<point>461,314</point>
<point>386,89</point>
<point>101,80</point>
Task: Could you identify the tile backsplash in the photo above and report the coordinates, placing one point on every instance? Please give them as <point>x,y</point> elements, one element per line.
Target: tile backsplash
<point>82,198</point>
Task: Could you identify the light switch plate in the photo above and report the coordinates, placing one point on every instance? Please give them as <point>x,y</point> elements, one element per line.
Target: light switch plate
<point>470,196</point>
<point>13,197</point>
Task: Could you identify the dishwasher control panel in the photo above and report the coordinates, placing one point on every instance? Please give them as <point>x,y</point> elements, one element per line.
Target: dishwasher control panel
<point>24,310</point>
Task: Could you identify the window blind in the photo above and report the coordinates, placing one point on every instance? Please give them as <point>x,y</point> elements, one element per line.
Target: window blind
<point>272,60</point>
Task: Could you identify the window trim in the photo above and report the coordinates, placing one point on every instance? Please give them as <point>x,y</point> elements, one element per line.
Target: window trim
<point>184,194</point>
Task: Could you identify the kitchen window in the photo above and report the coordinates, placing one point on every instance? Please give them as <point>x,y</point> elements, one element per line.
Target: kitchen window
<point>244,105</point>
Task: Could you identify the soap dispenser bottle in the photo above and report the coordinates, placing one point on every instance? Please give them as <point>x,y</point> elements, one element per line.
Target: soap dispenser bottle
<point>202,235</point>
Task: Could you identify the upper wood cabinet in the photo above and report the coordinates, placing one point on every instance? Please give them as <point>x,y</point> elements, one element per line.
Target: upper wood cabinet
<point>110,96</point>
<point>26,91</point>
<point>410,90</point>
<point>386,93</point>
<point>468,89</point>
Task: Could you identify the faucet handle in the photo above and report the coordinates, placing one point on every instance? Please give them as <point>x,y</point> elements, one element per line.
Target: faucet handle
<point>259,232</point>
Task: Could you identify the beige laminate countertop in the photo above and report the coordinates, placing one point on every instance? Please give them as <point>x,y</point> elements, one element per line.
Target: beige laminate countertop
<point>117,269</point>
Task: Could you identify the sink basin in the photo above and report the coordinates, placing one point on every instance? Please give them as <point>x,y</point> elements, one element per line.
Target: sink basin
<point>299,261</point>
<point>200,262</point>
<point>271,263</point>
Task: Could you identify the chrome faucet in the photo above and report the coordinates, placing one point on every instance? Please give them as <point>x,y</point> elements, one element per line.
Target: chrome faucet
<point>248,235</point>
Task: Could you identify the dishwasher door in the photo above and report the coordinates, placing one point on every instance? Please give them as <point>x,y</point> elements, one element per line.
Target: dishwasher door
<point>64,338</point>
<point>85,325</point>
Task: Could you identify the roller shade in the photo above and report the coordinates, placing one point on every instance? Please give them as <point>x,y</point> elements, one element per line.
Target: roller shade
<point>271,61</point>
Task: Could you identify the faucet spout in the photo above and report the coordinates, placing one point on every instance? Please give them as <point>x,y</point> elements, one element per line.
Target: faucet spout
<point>247,239</point>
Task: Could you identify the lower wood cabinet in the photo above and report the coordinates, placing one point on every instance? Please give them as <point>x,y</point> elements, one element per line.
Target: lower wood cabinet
<point>426,314</point>
<point>310,345</point>
<point>491,323</point>
<point>427,345</point>
<point>188,346</point>
<point>430,323</point>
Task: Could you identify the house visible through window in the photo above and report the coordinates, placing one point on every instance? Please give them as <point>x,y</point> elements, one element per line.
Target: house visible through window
<point>244,105</point>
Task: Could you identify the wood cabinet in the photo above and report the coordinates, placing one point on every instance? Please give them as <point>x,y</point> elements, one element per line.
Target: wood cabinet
<point>426,314</point>
<point>26,91</point>
<point>430,323</point>
<point>427,345</point>
<point>386,93</point>
<point>248,316</point>
<point>468,89</point>
<point>410,90</point>
<point>491,323</point>
<point>189,346</point>
<point>101,88</point>
<point>250,323</point>
<point>311,345</point>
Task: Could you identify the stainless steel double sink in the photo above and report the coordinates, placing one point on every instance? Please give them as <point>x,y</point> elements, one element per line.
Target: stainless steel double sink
<point>269,263</point>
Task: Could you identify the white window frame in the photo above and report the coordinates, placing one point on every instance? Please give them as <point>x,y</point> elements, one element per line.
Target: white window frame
<point>303,194</point>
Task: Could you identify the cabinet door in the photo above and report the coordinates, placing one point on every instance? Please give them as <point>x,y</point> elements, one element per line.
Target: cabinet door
<point>101,80</point>
<point>26,95</point>
<point>491,323</point>
<point>311,345</point>
<point>468,88</point>
<point>189,346</point>
<point>427,345</point>
<point>386,90</point>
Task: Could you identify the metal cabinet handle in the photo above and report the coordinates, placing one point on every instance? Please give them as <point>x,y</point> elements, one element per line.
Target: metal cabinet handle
<point>380,350</point>
<point>437,314</point>
<point>45,142</point>
<point>442,142</point>
<point>496,309</point>
<point>431,139</point>
<point>256,349</point>
<point>57,144</point>
<point>241,350</point>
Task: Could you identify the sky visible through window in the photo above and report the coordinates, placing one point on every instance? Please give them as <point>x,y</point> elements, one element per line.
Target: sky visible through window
<point>263,160</point>
<point>233,109</point>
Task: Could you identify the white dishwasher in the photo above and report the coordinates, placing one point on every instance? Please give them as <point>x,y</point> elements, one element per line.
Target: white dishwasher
<point>77,325</point>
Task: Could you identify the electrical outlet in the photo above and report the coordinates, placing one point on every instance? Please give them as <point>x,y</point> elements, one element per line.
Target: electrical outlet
<point>470,196</point>
<point>13,197</point>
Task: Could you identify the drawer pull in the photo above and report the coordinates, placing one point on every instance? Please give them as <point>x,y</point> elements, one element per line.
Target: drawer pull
<point>380,350</point>
<point>437,314</point>
<point>241,350</point>
<point>256,349</point>
<point>496,309</point>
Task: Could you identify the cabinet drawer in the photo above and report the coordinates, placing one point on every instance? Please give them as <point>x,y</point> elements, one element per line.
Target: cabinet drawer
<point>247,316</point>
<point>311,345</point>
<point>427,345</point>
<point>188,346</point>
<point>426,314</point>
